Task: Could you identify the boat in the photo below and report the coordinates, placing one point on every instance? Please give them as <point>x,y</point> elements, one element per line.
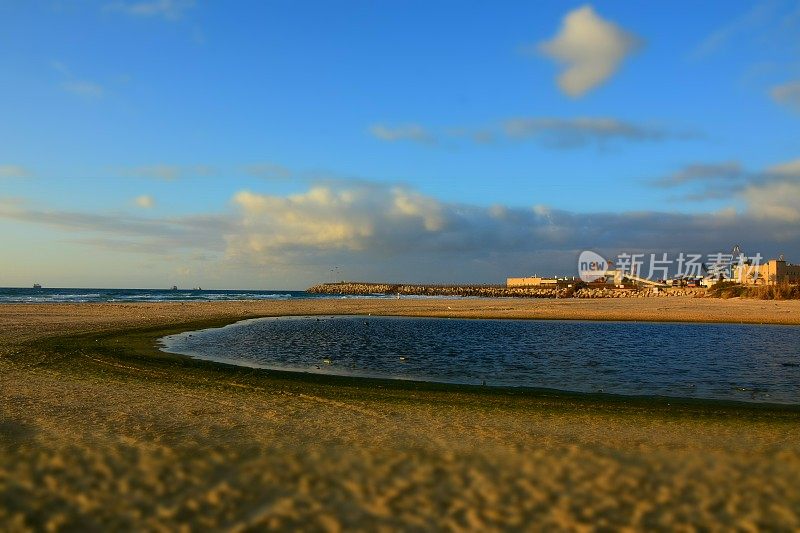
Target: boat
<point>174,288</point>
<point>37,286</point>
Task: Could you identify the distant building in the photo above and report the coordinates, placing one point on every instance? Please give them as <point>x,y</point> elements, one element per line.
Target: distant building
<point>532,282</point>
<point>770,272</point>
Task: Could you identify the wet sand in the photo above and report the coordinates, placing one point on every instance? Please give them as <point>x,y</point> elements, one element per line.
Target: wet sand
<point>98,430</point>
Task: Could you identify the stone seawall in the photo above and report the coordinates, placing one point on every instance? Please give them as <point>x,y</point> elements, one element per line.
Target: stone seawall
<point>492,291</point>
<point>488,291</point>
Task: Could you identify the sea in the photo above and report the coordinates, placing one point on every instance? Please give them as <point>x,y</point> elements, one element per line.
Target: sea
<point>68,295</point>
<point>747,363</point>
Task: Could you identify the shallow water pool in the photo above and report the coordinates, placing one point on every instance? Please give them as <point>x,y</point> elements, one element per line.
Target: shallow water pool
<point>713,361</point>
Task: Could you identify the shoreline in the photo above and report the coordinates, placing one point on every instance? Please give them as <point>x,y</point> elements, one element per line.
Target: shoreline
<point>674,309</point>
<point>101,430</point>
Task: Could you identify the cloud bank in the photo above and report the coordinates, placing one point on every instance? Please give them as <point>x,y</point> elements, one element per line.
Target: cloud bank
<point>376,231</point>
<point>590,48</point>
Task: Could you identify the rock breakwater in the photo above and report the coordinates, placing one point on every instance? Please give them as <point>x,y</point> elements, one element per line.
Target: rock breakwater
<point>493,291</point>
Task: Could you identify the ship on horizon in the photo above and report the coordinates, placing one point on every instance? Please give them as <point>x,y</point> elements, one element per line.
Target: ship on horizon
<point>37,286</point>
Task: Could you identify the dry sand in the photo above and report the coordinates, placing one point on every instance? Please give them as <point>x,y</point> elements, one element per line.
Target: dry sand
<point>101,432</point>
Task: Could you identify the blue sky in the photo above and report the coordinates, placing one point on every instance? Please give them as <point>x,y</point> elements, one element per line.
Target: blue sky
<point>137,126</point>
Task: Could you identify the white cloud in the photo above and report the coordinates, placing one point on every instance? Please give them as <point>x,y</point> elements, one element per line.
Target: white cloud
<point>163,172</point>
<point>61,67</point>
<point>14,171</point>
<point>777,200</point>
<point>83,88</point>
<point>580,131</point>
<point>729,175</point>
<point>343,217</point>
<point>168,9</point>
<point>145,201</point>
<point>790,169</point>
<point>407,132</point>
<point>166,172</point>
<point>412,204</point>
<point>775,193</point>
<point>553,132</point>
<point>591,49</point>
<point>73,84</point>
<point>728,171</point>
<point>787,94</point>
<point>752,19</point>
<point>772,193</point>
<point>268,171</point>
<point>129,232</point>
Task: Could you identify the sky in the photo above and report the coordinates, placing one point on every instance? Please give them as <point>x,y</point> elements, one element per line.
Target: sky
<point>274,145</point>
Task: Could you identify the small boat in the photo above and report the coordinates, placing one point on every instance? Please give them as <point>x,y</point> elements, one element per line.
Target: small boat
<point>37,286</point>
<point>174,288</point>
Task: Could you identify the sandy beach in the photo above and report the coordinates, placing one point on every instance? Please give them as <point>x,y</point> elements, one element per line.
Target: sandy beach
<point>100,431</point>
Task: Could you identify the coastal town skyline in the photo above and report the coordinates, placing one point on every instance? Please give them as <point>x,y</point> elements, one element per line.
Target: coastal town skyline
<point>468,145</point>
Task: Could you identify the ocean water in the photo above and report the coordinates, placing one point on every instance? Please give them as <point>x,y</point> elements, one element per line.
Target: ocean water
<point>711,361</point>
<point>56,295</point>
<point>65,295</point>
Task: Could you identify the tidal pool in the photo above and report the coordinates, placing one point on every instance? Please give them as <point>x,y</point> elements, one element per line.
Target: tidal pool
<point>712,361</point>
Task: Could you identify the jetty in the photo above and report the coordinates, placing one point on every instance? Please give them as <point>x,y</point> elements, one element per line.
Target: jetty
<point>359,288</point>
